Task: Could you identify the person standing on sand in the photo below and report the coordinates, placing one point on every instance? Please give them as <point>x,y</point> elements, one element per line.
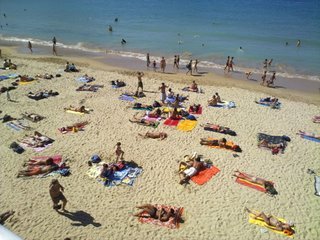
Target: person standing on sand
<point>175,64</point>
<point>264,76</point>
<point>189,67</point>
<point>154,64</point>
<point>230,66</point>
<point>54,40</point>
<point>163,64</point>
<point>227,63</point>
<point>56,194</point>
<point>118,151</point>
<point>271,81</point>
<point>162,89</point>
<point>140,83</point>
<point>195,67</point>
<point>178,61</point>
<point>30,46</point>
<point>148,60</point>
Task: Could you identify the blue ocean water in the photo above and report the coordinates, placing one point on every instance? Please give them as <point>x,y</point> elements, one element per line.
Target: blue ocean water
<point>204,29</point>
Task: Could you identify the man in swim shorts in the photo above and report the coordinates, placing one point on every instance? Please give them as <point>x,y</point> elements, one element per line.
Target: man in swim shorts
<point>56,194</point>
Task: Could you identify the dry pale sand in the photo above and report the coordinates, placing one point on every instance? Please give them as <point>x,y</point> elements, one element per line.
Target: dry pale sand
<point>212,211</point>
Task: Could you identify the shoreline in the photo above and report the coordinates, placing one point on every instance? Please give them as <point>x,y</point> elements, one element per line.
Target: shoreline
<point>285,88</point>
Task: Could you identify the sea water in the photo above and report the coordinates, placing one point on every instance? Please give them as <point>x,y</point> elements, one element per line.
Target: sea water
<point>207,30</point>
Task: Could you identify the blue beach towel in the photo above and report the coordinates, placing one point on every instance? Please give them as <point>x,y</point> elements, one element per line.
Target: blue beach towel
<point>126,98</point>
<point>311,139</point>
<point>83,79</point>
<point>3,77</point>
<point>226,105</point>
<point>13,126</point>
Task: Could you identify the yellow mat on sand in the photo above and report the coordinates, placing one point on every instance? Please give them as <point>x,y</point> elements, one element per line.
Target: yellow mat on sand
<point>187,125</point>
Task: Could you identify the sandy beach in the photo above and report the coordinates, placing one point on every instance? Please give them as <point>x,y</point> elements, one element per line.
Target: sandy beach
<point>214,210</point>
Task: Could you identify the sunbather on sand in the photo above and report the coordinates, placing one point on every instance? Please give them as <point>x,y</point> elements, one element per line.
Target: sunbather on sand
<point>44,76</point>
<point>38,140</point>
<point>218,128</point>
<point>37,162</point>
<point>154,135</point>
<point>266,184</point>
<point>308,134</point>
<point>36,170</point>
<point>175,114</point>
<point>153,212</point>
<point>194,87</point>
<point>137,94</point>
<point>265,143</point>
<point>194,166</point>
<point>26,78</point>
<point>81,109</point>
<point>143,121</point>
<point>141,105</point>
<point>4,216</point>
<point>214,142</point>
<point>32,116</point>
<point>274,222</point>
<point>157,113</point>
<point>213,101</point>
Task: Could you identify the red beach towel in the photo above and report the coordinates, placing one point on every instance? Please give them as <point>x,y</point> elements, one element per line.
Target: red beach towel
<point>171,122</point>
<point>205,175</point>
<point>199,111</point>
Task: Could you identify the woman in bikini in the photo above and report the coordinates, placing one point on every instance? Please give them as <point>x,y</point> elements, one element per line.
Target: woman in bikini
<point>266,184</point>
<point>154,135</point>
<point>153,212</point>
<point>274,222</point>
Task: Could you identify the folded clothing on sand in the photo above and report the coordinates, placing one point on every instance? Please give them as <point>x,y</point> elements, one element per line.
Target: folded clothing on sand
<point>260,222</point>
<point>173,222</point>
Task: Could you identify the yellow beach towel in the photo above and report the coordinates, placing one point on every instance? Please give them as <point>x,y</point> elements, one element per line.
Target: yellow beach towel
<point>25,83</point>
<point>186,125</point>
<point>75,112</point>
<point>260,222</point>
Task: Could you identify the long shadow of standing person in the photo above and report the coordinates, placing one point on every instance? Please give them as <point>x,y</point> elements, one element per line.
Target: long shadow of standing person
<point>80,218</point>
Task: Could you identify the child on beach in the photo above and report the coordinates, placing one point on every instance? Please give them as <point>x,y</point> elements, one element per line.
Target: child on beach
<point>118,151</point>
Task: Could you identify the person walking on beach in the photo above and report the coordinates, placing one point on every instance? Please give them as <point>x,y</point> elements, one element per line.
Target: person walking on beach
<point>30,46</point>
<point>154,64</point>
<point>178,61</point>
<point>54,40</point>
<point>140,83</point>
<point>175,64</point>
<point>163,64</point>
<point>148,60</point>
<point>162,89</point>
<point>195,67</point>
<point>8,96</point>
<point>227,63</point>
<point>272,79</point>
<point>230,66</point>
<point>118,151</point>
<point>56,194</point>
<point>189,67</point>
<point>264,77</point>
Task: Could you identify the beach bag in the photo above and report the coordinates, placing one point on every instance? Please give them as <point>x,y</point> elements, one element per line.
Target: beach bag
<point>95,159</point>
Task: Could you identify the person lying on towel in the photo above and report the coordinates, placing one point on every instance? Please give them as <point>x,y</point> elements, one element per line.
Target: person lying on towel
<point>194,166</point>
<point>266,184</point>
<point>32,116</point>
<point>155,213</point>
<point>81,109</point>
<point>274,222</point>
<point>219,129</point>
<point>118,83</point>
<point>274,147</point>
<point>141,105</point>
<point>222,142</point>
<point>157,113</point>
<point>38,140</point>
<point>36,170</point>
<point>143,121</point>
<point>154,135</point>
<point>308,134</point>
<point>26,78</point>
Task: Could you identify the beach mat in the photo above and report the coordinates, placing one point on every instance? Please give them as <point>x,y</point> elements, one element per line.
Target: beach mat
<point>186,125</point>
<point>311,138</point>
<point>126,98</point>
<point>26,83</point>
<point>260,222</point>
<point>172,223</point>
<point>198,112</point>
<point>13,126</point>
<point>205,175</point>
<point>171,122</point>
<point>250,184</point>
<point>75,112</point>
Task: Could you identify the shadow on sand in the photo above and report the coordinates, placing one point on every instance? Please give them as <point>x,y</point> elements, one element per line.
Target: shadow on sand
<point>80,218</point>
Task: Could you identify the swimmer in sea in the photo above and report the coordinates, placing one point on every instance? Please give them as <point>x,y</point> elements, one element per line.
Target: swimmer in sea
<point>298,43</point>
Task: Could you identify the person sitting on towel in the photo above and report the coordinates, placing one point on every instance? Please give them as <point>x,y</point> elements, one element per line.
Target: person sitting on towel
<point>155,113</point>
<point>194,87</point>
<point>266,184</point>
<point>154,135</point>
<point>153,212</point>
<point>175,114</point>
<point>193,168</point>
<point>274,222</point>
<point>308,134</point>
<point>218,98</point>
<point>194,108</point>
<point>213,142</point>
<point>213,101</point>
<point>170,94</point>
<point>106,171</point>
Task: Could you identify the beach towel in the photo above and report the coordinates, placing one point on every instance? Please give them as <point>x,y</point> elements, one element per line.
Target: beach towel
<point>13,126</point>
<point>173,222</point>
<point>85,79</point>
<point>186,125</point>
<point>250,184</point>
<point>274,140</point>
<point>3,77</point>
<point>317,185</point>
<point>225,104</point>
<point>205,175</point>
<point>124,97</point>
<point>171,122</point>
<point>125,176</point>
<point>310,138</point>
<point>33,142</point>
<point>265,103</point>
<point>8,76</point>
<point>260,222</point>
<point>25,82</point>
<point>17,125</point>
<point>198,112</point>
